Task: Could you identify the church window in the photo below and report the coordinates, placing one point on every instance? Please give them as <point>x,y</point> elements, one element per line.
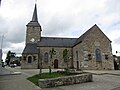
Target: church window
<point>77,55</point>
<point>46,57</point>
<point>29,59</point>
<point>98,54</point>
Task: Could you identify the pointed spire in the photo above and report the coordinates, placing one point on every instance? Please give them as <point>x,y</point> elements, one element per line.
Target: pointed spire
<point>34,18</point>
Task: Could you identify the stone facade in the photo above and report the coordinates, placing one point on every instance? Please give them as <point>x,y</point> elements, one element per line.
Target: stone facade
<point>95,39</point>
<point>92,50</point>
<point>67,80</point>
<point>57,59</point>
<point>33,64</point>
<point>33,34</point>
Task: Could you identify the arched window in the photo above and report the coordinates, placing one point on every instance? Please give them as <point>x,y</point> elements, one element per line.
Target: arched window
<point>29,59</point>
<point>98,54</point>
<point>46,57</point>
<point>77,55</point>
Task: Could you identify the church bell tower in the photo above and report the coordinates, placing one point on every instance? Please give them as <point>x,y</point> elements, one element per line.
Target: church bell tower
<point>33,32</point>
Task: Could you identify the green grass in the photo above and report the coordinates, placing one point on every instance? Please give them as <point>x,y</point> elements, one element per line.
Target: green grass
<point>35,78</point>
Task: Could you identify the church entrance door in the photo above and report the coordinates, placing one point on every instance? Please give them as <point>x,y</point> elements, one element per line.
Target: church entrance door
<point>56,63</point>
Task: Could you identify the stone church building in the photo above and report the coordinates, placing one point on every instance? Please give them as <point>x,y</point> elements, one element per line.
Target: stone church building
<point>92,50</point>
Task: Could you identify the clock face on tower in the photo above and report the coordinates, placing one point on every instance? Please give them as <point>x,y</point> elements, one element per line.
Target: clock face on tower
<point>32,40</point>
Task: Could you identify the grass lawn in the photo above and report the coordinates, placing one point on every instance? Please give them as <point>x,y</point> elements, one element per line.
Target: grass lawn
<point>35,78</point>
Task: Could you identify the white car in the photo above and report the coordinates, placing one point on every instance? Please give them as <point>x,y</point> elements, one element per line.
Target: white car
<point>13,65</point>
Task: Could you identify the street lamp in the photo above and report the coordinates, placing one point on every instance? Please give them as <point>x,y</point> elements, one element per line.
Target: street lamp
<point>1,53</point>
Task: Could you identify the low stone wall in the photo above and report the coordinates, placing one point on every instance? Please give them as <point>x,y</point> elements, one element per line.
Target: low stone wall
<point>67,80</point>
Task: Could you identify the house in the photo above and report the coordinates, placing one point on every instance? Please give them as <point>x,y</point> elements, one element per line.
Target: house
<point>116,62</point>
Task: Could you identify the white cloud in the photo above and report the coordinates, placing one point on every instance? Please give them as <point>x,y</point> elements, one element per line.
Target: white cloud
<point>109,19</point>
<point>67,18</point>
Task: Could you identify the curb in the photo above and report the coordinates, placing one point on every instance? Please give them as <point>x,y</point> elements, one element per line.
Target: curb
<point>105,74</point>
<point>14,73</point>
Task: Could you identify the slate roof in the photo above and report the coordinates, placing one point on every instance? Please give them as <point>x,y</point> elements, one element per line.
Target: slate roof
<point>56,42</point>
<point>30,48</point>
<point>34,18</point>
<point>32,23</point>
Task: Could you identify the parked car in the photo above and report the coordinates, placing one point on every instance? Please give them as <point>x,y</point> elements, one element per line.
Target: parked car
<point>13,65</point>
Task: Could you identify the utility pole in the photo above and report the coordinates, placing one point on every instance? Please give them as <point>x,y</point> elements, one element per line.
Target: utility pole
<point>1,53</point>
<point>2,41</point>
<point>0,2</point>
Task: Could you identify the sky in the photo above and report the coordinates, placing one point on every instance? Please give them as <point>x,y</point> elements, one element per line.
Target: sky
<point>59,18</point>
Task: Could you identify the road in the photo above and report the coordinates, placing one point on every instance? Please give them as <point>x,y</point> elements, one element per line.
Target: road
<point>19,82</point>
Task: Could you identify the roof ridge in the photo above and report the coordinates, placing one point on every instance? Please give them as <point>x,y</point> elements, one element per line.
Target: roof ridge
<point>81,38</point>
<point>59,37</point>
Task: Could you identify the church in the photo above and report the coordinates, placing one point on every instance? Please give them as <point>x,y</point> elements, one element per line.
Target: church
<point>92,50</point>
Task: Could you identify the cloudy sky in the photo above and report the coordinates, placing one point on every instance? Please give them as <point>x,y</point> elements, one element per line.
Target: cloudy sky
<point>66,18</point>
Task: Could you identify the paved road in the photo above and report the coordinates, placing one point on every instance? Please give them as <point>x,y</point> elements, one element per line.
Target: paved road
<point>101,82</point>
<point>19,82</point>
<point>16,82</point>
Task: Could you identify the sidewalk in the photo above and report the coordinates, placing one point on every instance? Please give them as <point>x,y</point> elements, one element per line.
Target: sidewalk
<point>5,71</point>
<point>100,81</point>
<point>102,72</point>
<point>15,79</point>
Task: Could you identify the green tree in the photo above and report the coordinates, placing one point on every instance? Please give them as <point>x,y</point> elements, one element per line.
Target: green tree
<point>65,56</point>
<point>51,53</point>
<point>8,57</point>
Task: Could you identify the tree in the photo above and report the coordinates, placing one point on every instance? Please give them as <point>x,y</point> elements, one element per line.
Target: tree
<point>13,54</point>
<point>9,56</point>
<point>40,61</point>
<point>65,56</point>
<point>51,53</point>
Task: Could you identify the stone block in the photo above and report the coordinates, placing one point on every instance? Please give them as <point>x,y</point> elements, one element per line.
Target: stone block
<point>67,80</point>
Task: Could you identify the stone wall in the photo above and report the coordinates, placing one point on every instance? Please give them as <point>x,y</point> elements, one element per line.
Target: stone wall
<point>33,32</point>
<point>58,56</point>
<point>77,58</point>
<point>95,39</point>
<point>67,80</point>
<point>32,65</point>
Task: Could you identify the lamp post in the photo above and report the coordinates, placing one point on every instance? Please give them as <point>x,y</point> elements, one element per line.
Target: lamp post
<point>1,47</point>
<point>0,2</point>
<point>1,53</point>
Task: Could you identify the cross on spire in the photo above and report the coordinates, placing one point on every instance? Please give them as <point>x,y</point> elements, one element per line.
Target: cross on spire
<point>34,18</point>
